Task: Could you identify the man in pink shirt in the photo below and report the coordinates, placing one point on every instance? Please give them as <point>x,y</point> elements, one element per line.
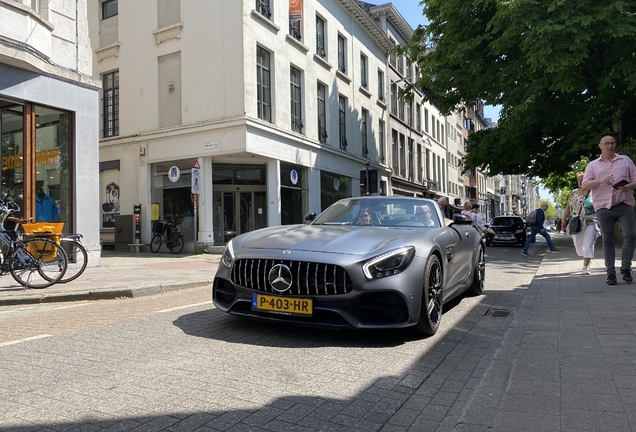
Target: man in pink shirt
<point>612,180</point>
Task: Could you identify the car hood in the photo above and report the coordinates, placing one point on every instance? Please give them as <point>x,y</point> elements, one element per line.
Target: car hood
<point>348,240</point>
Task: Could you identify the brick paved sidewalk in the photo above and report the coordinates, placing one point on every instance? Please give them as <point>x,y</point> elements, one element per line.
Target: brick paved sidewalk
<point>121,274</point>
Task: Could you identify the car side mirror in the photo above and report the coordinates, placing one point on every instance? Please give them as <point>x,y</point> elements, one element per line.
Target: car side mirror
<point>309,218</point>
<point>460,219</point>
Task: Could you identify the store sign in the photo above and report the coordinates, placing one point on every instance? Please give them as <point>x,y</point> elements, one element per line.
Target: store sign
<point>174,174</point>
<point>293,176</point>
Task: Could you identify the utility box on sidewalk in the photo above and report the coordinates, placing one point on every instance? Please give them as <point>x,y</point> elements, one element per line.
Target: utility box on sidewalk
<point>124,232</point>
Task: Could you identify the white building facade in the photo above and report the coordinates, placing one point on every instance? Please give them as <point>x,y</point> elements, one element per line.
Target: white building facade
<point>49,116</point>
<point>282,111</point>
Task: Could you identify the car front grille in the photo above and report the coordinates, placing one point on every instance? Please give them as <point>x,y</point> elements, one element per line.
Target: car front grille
<point>313,279</point>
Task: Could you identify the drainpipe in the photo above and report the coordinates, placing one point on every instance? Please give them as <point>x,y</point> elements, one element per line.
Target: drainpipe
<point>76,36</point>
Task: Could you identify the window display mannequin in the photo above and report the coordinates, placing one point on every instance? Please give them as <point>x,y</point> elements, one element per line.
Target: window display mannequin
<point>45,208</point>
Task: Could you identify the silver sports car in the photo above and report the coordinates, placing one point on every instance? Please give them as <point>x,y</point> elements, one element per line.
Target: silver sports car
<point>370,262</point>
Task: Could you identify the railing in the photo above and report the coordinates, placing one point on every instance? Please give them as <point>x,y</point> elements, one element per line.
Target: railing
<point>263,8</point>
<point>294,31</point>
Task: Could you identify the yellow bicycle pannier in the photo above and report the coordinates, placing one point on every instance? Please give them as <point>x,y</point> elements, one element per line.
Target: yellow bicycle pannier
<point>42,250</point>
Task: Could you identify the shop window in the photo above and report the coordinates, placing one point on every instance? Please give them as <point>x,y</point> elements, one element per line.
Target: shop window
<point>52,161</point>
<point>12,152</point>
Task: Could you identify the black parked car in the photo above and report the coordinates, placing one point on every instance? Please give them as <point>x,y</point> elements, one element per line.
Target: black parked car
<point>506,230</point>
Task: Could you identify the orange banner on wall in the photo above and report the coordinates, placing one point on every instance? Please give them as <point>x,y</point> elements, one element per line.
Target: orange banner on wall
<point>295,10</point>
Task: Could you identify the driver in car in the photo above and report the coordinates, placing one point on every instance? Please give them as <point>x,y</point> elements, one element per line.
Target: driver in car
<point>423,214</point>
<point>364,217</point>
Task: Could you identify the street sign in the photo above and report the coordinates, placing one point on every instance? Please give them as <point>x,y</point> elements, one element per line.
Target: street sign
<point>196,177</point>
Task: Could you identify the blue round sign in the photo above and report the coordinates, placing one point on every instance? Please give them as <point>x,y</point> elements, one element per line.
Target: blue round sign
<point>293,176</point>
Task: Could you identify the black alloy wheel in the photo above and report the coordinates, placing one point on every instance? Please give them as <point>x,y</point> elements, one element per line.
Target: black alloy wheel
<point>431,307</point>
<point>479,278</point>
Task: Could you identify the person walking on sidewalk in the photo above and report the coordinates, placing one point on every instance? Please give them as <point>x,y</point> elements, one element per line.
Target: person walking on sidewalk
<point>580,205</point>
<point>612,180</point>
<point>538,228</point>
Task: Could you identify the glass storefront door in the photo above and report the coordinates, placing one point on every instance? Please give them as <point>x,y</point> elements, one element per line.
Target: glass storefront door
<point>12,153</point>
<point>236,213</point>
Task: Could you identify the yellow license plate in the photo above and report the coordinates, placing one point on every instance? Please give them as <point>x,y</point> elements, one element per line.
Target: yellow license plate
<point>283,305</point>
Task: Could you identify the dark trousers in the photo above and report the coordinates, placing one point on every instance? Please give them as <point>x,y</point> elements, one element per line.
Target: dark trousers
<point>607,219</point>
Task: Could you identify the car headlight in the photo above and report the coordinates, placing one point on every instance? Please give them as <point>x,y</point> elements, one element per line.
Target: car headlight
<point>490,231</point>
<point>228,255</point>
<point>389,263</point>
<point>520,231</point>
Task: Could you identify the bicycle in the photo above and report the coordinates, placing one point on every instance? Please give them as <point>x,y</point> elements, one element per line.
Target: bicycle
<point>33,262</point>
<point>170,235</point>
<point>70,242</point>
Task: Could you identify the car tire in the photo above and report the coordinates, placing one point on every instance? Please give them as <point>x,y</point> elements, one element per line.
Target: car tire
<point>488,243</point>
<point>431,306</point>
<point>479,274</point>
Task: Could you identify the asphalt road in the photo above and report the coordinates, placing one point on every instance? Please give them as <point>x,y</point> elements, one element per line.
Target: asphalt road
<point>173,362</point>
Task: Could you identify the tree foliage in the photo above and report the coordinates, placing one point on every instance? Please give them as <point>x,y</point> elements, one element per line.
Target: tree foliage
<point>563,73</point>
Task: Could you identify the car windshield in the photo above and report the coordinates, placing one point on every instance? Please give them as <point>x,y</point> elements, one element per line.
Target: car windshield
<point>506,221</point>
<point>386,211</point>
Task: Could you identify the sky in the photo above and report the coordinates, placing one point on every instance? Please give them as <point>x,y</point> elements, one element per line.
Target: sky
<point>411,11</point>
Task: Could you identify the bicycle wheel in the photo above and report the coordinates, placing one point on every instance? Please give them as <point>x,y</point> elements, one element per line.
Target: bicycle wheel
<point>155,244</point>
<point>38,263</point>
<point>178,245</point>
<point>77,260</point>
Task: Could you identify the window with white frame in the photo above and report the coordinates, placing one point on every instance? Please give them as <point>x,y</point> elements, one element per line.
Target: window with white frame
<point>110,108</point>
<point>363,132</point>
<point>394,151</point>
<point>418,118</point>
<point>342,54</point>
<point>401,108</point>
<point>364,71</point>
<point>381,141</point>
<point>321,49</point>
<point>402,155</point>
<point>342,121</point>
<point>380,85</point>
<point>263,84</point>
<point>322,113</point>
<point>400,65</point>
<point>263,7</point>
<point>110,8</point>
<point>410,157</point>
<point>426,120</point>
<point>296,100</point>
<point>394,98</point>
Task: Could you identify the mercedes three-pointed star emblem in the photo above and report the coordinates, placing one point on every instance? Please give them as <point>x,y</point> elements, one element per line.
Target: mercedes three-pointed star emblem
<point>280,278</point>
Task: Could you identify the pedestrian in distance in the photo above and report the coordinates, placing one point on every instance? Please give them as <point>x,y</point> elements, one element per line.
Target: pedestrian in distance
<point>612,179</point>
<point>446,210</point>
<point>557,226</point>
<point>469,212</point>
<point>580,205</point>
<point>538,228</point>
<point>480,223</point>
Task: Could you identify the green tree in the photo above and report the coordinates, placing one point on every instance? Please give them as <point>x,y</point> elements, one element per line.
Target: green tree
<point>563,72</point>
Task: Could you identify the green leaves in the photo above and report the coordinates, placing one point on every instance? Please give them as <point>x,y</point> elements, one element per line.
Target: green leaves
<point>562,72</point>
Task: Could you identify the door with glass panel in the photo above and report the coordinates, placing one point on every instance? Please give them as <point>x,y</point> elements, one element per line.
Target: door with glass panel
<point>237,212</point>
